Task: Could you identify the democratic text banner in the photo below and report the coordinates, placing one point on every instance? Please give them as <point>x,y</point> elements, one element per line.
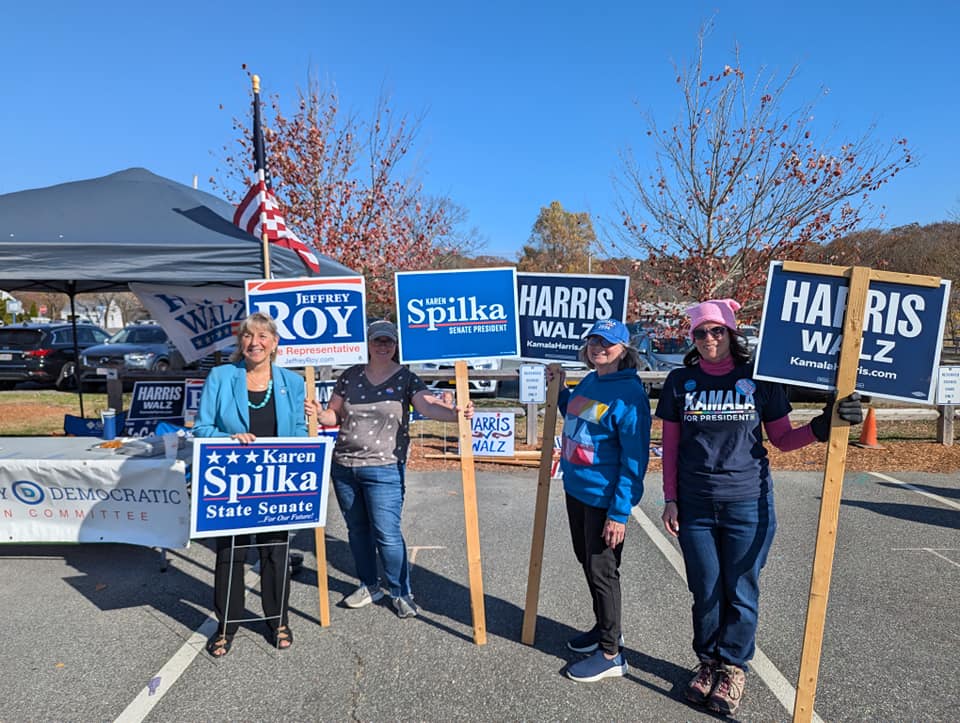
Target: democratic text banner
<point>321,321</point>
<point>451,315</point>
<point>801,333</point>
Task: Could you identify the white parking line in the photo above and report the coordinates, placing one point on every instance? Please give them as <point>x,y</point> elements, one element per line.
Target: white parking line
<point>918,490</point>
<point>768,672</point>
<point>164,679</point>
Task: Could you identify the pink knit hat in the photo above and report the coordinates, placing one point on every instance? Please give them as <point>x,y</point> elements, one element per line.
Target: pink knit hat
<point>720,311</point>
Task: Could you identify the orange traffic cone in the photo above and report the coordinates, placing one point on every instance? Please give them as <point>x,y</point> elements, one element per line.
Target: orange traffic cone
<point>868,435</point>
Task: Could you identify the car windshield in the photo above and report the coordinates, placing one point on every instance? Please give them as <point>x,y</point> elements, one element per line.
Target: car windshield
<point>139,335</point>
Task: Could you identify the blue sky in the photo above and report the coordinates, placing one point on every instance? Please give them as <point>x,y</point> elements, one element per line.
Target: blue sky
<point>524,102</point>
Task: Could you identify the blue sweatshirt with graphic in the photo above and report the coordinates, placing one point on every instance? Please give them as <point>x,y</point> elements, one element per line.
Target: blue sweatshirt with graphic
<point>606,441</point>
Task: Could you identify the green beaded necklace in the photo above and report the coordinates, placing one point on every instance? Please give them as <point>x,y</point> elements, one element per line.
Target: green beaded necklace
<point>266,399</point>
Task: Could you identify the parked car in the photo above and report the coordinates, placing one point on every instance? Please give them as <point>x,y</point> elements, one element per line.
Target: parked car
<point>657,353</point>
<point>139,347</point>
<point>477,386</point>
<point>44,353</point>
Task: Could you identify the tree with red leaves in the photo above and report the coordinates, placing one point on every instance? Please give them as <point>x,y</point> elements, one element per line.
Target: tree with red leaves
<point>343,188</point>
<point>739,182</point>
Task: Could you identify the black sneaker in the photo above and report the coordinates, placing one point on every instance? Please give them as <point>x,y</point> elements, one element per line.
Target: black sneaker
<point>587,642</point>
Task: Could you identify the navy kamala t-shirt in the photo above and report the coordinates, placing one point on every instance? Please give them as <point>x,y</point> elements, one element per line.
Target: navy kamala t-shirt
<point>721,453</point>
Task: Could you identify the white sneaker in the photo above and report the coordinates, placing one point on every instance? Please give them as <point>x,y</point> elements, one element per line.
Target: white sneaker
<point>405,606</point>
<point>362,596</point>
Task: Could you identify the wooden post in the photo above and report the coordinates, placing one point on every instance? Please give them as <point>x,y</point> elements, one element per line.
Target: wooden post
<point>115,397</point>
<point>472,525</point>
<point>540,514</point>
<point>319,533</point>
<point>533,412</point>
<point>945,424</point>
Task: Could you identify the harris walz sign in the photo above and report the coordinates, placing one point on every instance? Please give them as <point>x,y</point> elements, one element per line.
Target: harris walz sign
<point>556,310</point>
<point>802,325</point>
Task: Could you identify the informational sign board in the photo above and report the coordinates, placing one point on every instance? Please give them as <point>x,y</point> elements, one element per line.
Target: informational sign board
<point>493,434</point>
<point>802,325</point>
<point>533,383</point>
<point>325,391</point>
<point>453,315</point>
<point>948,385</point>
<point>152,403</point>
<point>274,483</point>
<point>556,310</point>
<point>321,321</point>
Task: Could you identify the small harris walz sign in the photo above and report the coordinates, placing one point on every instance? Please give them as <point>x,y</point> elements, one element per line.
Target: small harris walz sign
<point>152,403</point>
<point>271,484</point>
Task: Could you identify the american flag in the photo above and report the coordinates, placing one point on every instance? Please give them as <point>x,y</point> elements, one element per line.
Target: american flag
<point>259,212</point>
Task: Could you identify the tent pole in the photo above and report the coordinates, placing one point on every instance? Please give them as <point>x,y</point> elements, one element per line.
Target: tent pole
<point>72,292</point>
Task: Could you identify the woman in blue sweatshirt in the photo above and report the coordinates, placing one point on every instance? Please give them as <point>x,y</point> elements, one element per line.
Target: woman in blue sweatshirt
<point>606,446</point>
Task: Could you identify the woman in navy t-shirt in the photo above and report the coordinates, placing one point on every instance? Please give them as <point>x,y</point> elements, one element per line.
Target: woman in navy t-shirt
<point>718,493</point>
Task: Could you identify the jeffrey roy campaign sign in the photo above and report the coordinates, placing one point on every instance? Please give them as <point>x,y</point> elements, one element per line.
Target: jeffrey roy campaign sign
<point>556,310</point>
<point>802,327</point>
<point>463,314</point>
<point>321,321</point>
<point>274,483</point>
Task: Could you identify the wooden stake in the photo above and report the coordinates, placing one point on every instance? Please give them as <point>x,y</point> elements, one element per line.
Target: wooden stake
<point>319,533</point>
<point>540,514</point>
<point>830,498</point>
<point>472,526</point>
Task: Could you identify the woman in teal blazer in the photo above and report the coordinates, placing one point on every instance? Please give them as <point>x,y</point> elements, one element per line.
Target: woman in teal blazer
<point>249,398</point>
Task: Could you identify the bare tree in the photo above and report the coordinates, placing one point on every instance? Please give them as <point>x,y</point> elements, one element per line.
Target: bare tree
<point>739,181</point>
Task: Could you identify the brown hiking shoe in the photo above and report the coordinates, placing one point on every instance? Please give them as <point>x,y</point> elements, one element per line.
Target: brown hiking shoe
<point>728,692</point>
<point>701,684</point>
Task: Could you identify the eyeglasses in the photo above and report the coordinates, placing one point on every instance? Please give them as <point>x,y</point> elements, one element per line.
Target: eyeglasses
<point>384,341</point>
<point>599,341</point>
<point>717,332</point>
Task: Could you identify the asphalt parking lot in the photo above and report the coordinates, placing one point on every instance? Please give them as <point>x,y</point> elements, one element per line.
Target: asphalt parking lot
<point>98,632</point>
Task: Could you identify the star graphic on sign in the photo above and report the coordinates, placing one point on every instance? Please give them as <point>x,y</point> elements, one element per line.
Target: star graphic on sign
<point>233,457</point>
<point>251,456</point>
<point>213,458</point>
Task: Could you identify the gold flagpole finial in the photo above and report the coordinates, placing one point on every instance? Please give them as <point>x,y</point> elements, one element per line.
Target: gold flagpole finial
<point>256,83</point>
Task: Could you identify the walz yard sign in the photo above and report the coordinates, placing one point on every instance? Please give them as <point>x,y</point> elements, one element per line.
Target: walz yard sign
<point>453,315</point>
<point>801,332</point>
<point>556,310</point>
<point>493,434</point>
<point>271,484</point>
<point>321,321</point>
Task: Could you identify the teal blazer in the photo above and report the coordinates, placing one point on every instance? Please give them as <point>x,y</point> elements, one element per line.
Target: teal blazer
<point>224,409</point>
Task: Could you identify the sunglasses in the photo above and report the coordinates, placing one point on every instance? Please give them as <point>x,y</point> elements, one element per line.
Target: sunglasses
<point>717,332</point>
<point>384,341</point>
<point>599,341</point>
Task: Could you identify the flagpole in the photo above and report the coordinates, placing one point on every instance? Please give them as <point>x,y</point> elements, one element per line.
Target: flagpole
<point>260,154</point>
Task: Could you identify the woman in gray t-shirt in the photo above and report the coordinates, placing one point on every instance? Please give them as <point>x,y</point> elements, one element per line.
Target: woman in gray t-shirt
<point>370,403</point>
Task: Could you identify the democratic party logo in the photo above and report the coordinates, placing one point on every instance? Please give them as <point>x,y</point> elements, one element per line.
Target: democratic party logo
<point>29,493</point>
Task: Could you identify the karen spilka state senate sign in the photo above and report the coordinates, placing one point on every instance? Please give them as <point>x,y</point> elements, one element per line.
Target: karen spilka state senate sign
<point>274,483</point>
<point>801,333</point>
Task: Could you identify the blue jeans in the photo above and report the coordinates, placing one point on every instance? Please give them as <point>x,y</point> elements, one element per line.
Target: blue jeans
<point>725,545</point>
<point>371,499</point>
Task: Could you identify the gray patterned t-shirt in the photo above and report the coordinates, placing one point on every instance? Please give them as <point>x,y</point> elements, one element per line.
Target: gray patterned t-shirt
<point>374,428</point>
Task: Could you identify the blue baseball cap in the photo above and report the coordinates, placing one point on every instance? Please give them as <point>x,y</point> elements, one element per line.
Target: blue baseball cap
<point>610,329</point>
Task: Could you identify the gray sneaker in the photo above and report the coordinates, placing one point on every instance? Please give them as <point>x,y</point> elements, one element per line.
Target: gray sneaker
<point>362,596</point>
<point>405,606</point>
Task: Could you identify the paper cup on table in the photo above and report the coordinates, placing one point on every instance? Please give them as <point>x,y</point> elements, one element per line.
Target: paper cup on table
<point>109,417</point>
<point>171,445</point>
